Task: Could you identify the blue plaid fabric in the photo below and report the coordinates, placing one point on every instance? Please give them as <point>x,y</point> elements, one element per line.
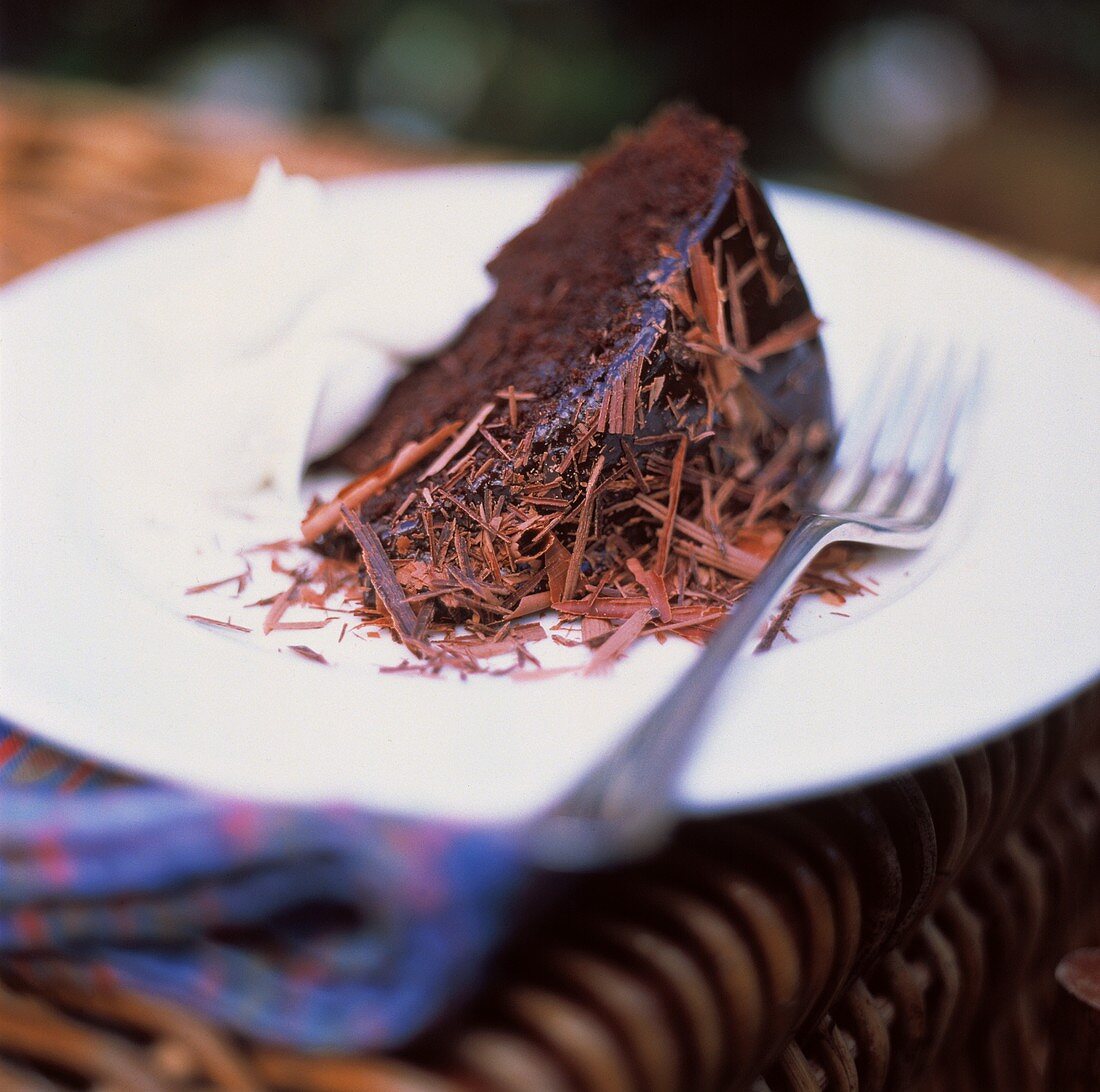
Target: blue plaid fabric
<point>328,928</point>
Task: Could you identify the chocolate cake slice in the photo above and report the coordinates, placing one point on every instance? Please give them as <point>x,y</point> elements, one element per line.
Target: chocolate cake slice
<point>617,431</point>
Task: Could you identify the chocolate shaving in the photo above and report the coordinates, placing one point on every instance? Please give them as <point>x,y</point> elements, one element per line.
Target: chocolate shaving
<point>557,567</point>
<point>674,481</point>
<point>595,629</point>
<point>282,603</point>
<point>777,625</point>
<point>308,653</point>
<point>300,625</point>
<point>531,604</point>
<point>704,281</point>
<point>787,337</point>
<point>773,283</point>
<point>324,517</point>
<point>654,585</point>
<point>619,641</point>
<point>240,579</point>
<point>218,624</point>
<point>458,443</point>
<point>735,561</point>
<point>381,575</point>
<point>583,526</point>
<point>618,609</point>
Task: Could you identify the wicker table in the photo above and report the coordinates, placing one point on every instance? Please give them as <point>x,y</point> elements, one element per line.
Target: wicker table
<point>900,937</point>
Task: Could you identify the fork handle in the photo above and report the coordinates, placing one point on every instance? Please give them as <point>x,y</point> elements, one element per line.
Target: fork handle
<point>625,804</point>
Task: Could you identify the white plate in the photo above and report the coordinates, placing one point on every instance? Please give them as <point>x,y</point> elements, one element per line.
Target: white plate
<point>1000,621</point>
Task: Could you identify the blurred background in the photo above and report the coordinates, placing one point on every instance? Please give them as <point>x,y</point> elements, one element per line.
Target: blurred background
<point>982,114</point>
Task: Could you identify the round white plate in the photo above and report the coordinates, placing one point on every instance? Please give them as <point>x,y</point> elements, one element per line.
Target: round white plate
<point>996,623</point>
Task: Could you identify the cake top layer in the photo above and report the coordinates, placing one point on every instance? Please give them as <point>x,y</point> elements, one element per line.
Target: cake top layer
<point>571,287</point>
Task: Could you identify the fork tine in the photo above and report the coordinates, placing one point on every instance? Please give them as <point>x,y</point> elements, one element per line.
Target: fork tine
<point>897,458</point>
<point>862,431</point>
<point>949,433</point>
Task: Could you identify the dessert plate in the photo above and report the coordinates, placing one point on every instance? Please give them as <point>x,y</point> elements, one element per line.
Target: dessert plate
<point>996,623</point>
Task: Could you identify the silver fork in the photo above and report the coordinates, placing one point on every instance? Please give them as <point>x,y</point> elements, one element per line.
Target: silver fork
<point>887,484</point>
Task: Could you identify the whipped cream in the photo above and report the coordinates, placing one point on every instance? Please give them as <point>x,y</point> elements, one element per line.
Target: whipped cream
<point>268,374</point>
<point>278,352</point>
<point>270,358</point>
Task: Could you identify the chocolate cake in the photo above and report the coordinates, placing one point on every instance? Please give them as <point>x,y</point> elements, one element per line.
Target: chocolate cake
<point>616,433</point>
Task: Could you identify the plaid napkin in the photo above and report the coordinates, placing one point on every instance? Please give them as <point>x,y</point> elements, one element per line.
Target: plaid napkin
<point>326,928</point>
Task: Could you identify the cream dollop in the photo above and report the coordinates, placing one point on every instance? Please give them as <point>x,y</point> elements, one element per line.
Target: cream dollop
<point>267,374</point>
<point>263,342</point>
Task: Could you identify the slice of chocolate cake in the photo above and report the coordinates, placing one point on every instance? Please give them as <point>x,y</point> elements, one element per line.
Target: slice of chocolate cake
<point>616,432</point>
